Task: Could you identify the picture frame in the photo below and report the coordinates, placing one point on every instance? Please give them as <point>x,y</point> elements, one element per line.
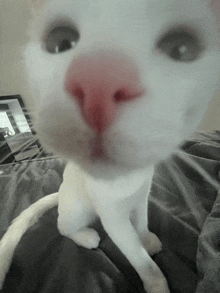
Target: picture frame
<point>16,130</point>
<point>13,106</point>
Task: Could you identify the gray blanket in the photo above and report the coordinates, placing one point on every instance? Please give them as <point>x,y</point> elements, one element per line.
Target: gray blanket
<point>184,211</point>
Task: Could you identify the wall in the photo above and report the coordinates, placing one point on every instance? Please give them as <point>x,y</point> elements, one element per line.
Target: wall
<point>14,17</point>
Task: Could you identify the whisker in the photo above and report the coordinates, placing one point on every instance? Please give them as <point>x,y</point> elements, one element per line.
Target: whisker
<point>36,156</point>
<point>18,164</point>
<point>26,144</point>
<point>21,148</point>
<point>15,168</point>
<point>29,166</point>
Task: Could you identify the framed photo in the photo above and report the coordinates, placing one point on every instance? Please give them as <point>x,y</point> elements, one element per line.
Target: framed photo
<point>14,115</point>
<point>15,129</point>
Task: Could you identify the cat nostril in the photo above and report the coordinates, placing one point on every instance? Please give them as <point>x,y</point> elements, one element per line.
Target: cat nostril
<point>120,96</point>
<point>79,93</point>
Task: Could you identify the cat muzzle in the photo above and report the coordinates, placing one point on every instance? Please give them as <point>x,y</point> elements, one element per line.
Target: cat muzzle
<point>99,82</point>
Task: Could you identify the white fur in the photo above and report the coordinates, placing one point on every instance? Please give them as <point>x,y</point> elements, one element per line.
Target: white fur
<point>145,130</point>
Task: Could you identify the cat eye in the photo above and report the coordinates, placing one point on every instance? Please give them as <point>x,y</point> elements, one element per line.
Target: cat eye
<point>61,39</point>
<point>180,46</point>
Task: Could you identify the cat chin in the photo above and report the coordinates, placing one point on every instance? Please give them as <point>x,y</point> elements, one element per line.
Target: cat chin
<point>108,155</point>
<point>108,160</point>
<point>106,169</point>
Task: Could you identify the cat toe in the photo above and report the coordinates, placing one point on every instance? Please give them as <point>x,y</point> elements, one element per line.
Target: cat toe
<point>152,243</point>
<point>87,238</point>
<point>159,287</point>
<point>156,282</point>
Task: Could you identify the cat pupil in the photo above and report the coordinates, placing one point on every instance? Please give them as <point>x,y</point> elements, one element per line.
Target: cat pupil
<point>61,39</point>
<point>179,53</point>
<point>64,46</point>
<point>180,46</point>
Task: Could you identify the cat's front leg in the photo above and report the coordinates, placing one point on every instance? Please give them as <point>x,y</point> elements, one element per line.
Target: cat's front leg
<point>149,240</point>
<point>116,222</point>
<point>75,214</point>
<point>75,209</point>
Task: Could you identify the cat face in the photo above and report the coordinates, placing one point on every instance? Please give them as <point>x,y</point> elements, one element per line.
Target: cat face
<point>119,84</point>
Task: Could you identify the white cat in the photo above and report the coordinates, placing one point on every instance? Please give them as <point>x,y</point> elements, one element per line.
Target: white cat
<point>116,86</point>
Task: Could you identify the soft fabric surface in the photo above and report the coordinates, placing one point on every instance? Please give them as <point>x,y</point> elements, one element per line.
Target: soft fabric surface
<point>184,211</point>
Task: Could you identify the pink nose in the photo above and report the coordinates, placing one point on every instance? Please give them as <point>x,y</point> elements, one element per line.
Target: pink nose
<point>100,81</point>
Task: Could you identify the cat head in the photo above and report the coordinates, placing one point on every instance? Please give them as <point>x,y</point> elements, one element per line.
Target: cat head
<point>121,83</point>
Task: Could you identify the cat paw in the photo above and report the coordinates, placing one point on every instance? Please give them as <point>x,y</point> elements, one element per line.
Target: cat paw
<point>158,287</point>
<point>86,237</point>
<point>151,243</point>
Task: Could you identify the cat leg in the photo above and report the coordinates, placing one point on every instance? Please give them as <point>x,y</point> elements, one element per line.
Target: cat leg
<point>73,220</point>
<point>86,237</point>
<point>150,241</point>
<point>117,224</point>
<point>78,232</point>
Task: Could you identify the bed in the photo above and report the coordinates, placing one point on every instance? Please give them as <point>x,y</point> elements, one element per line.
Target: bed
<point>188,226</point>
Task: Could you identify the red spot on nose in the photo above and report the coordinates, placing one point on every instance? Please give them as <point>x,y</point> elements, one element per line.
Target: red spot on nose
<point>100,81</point>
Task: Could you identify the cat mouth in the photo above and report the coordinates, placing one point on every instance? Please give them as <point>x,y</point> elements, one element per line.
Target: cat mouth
<point>98,153</point>
<point>97,150</point>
